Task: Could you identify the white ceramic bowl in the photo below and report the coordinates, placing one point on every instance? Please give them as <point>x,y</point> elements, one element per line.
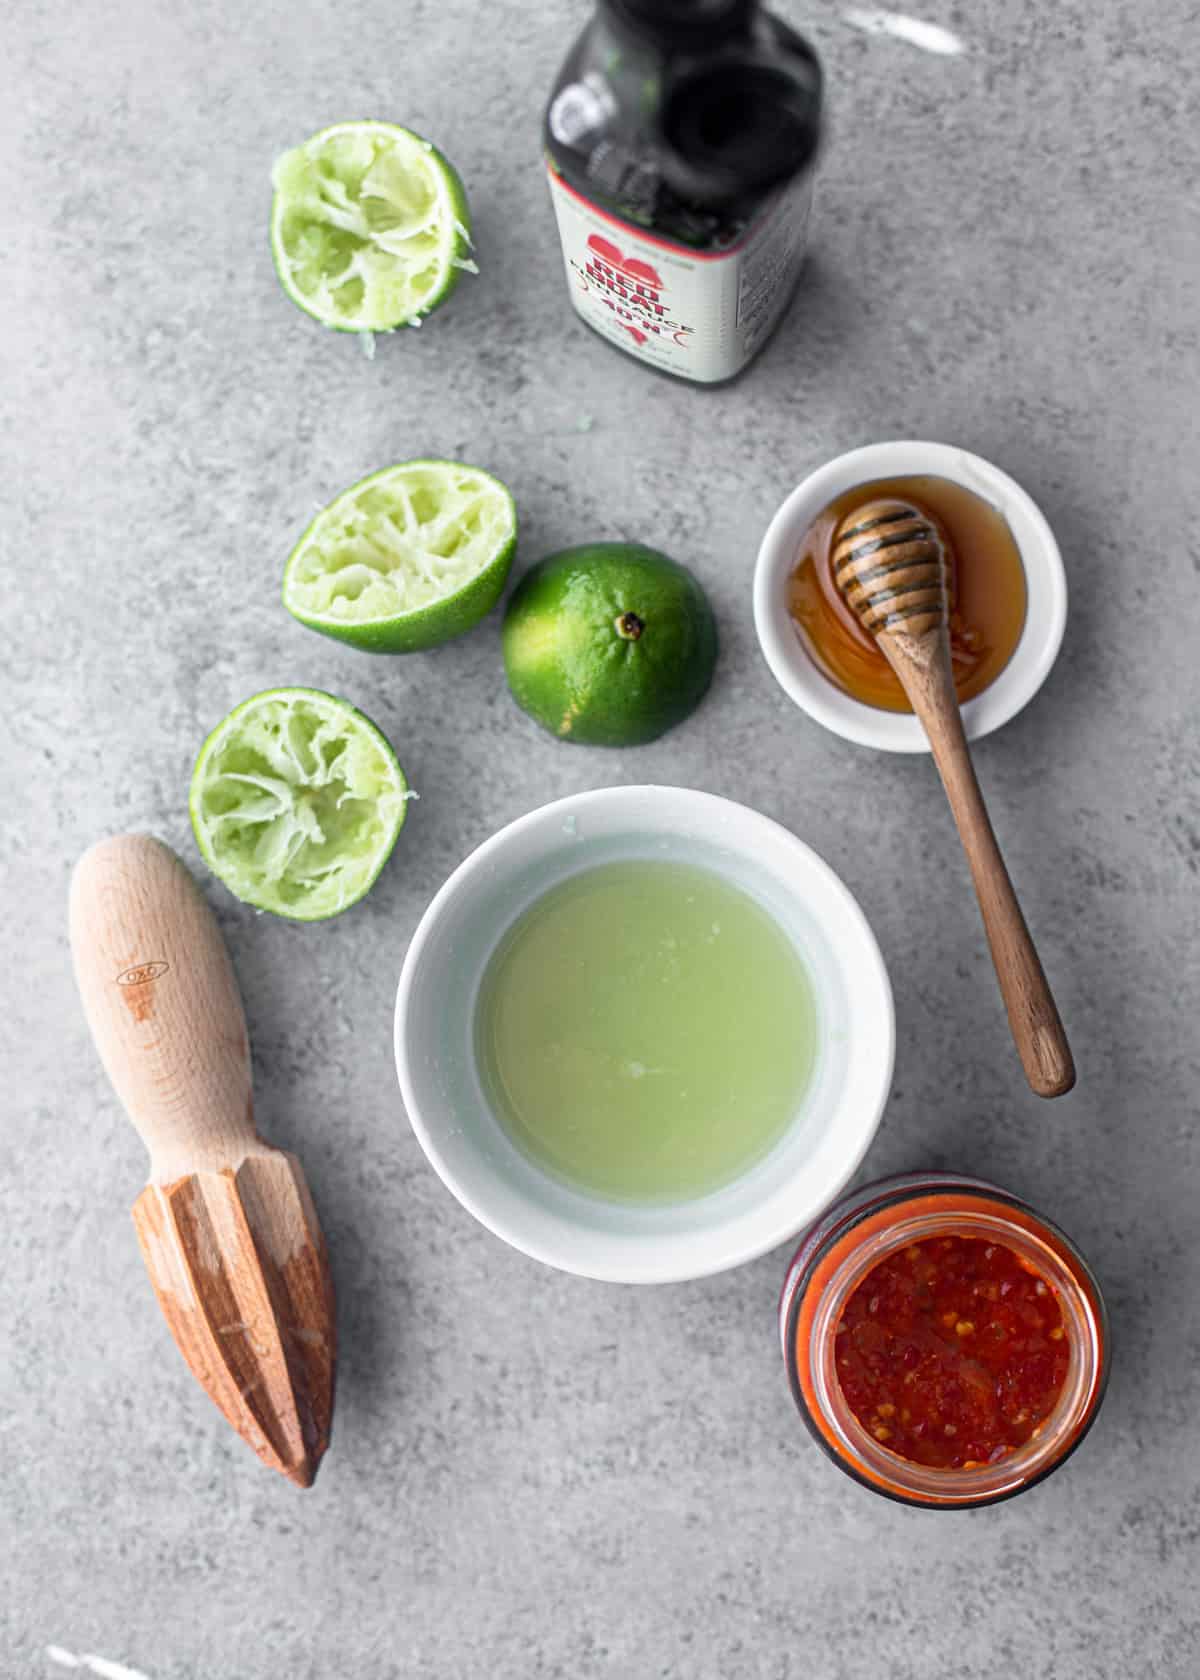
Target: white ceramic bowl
<point>1045,582</point>
<point>435,1008</point>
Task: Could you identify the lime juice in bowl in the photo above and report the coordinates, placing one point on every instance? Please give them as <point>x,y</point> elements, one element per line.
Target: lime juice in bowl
<point>645,1030</point>
<point>583,1168</point>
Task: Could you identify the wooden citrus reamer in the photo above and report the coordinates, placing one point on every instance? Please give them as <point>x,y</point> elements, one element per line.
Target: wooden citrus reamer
<point>226,1225</point>
<point>892,569</point>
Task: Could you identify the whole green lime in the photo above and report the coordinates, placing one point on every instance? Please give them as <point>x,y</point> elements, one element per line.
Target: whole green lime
<point>610,644</point>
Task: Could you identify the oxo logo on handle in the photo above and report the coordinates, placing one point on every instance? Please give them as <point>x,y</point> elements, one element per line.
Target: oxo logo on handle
<point>142,974</point>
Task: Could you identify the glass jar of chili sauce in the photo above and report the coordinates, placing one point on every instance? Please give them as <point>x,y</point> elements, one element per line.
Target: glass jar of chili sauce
<point>945,1344</point>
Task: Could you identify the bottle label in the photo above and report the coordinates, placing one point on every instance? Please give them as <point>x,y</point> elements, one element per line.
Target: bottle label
<point>699,314</point>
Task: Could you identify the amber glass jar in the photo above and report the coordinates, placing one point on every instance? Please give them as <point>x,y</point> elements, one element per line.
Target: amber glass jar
<point>893,1218</point>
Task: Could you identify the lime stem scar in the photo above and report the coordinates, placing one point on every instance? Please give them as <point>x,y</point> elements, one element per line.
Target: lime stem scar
<point>630,626</point>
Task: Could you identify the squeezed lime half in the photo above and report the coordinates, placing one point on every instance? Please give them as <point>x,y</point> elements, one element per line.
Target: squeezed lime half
<point>370,228</point>
<point>405,559</point>
<point>296,801</point>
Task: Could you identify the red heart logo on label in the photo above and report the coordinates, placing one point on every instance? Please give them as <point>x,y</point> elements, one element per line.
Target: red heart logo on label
<point>633,267</point>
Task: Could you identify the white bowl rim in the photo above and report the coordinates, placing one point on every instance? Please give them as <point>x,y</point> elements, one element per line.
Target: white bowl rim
<point>678,1260</point>
<point>1045,577</point>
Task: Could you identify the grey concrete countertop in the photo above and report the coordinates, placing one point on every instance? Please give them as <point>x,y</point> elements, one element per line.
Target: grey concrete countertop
<point>533,1475</point>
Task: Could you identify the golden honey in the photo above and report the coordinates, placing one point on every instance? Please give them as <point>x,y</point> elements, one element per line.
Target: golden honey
<point>988,612</point>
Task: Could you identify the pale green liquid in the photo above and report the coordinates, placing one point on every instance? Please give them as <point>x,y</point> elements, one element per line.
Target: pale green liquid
<point>645,1031</point>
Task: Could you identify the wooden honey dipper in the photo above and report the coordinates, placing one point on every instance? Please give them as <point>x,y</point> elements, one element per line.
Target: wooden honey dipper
<point>226,1225</point>
<point>894,571</point>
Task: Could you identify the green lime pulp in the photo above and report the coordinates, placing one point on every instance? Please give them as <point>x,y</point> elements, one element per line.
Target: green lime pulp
<point>369,227</point>
<point>296,801</point>
<point>405,559</point>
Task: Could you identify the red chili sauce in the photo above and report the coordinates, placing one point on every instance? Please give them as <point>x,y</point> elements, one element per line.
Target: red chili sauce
<point>952,1352</point>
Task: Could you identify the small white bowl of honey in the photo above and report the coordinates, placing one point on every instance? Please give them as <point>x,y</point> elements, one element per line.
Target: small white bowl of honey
<point>1010,594</point>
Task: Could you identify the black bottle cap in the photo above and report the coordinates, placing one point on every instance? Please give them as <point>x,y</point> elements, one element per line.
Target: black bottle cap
<point>739,125</point>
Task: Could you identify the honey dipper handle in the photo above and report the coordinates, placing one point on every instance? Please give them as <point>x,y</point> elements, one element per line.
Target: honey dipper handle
<point>922,663</point>
<point>161,999</point>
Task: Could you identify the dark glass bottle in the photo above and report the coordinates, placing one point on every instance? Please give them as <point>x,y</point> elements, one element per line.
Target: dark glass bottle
<point>680,138</point>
